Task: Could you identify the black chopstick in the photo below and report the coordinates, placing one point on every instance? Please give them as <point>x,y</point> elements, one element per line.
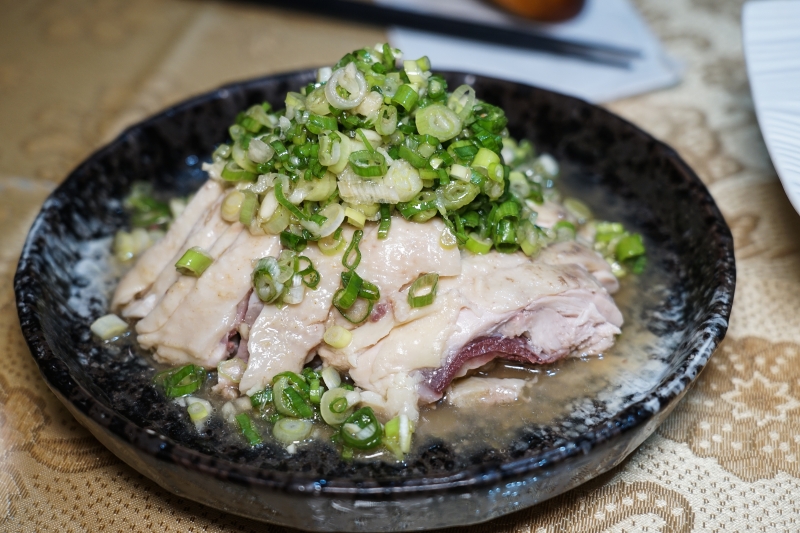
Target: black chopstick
<point>368,13</point>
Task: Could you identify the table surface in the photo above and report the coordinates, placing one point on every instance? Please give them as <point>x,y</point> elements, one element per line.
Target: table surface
<point>73,73</point>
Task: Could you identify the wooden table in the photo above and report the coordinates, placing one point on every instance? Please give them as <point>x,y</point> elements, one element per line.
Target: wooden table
<point>73,73</point>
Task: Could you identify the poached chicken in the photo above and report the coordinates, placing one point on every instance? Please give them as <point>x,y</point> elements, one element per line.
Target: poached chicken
<point>487,306</point>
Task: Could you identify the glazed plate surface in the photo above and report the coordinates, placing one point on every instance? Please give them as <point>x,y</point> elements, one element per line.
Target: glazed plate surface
<point>676,314</point>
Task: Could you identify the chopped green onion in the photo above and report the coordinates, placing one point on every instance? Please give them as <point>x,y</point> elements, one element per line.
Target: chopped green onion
<point>639,264</point>
<point>405,97</point>
<point>310,374</point>
<point>478,245</point>
<point>232,205</point>
<point>531,238</point>
<point>334,406</point>
<point>508,209</point>
<point>233,172</point>
<point>355,217</point>
<point>109,326</point>
<point>280,150</point>
<point>367,144</point>
<point>317,219</point>
<point>293,242</point>
<point>330,149</point>
<point>298,381</point>
<point>352,248</point>
<point>331,377</point>
<point>465,150</point>
<point>265,280</point>
<point>361,430</point>
<point>311,277</point>
<point>291,430</point>
<point>462,101</point>
<point>367,290</point>
<point>123,246</point>
<point>629,247</point>
<point>386,221</point>
<point>337,337</point>
<point>249,206</point>
<point>223,151</point>
<point>180,381</point>
<point>194,262</point>
<point>457,194</point>
<point>198,410</point>
<point>490,118</point>
<point>288,401</point>
<point>425,284</point>
<point>146,210</point>
<point>317,124</point>
<point>232,369</point>
<point>397,435</point>
<point>332,244</point>
<point>386,124</point>
<point>358,312</point>
<point>484,158</point>
<point>578,209</point>
<point>246,426</point>
<point>345,298</point>
<point>240,156</point>
<point>261,399</point>
<point>368,164</point>
<point>315,391</point>
<point>438,121</point>
<point>505,236</point>
<point>565,230</point>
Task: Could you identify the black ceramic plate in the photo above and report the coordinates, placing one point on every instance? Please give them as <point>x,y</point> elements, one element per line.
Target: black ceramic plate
<point>63,282</point>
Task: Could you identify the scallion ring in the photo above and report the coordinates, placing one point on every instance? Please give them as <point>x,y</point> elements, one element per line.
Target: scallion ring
<point>181,381</point>
<point>462,101</point>
<point>233,172</point>
<point>352,249</point>
<point>387,120</point>
<point>423,291</point>
<point>346,88</point>
<point>439,121</point>
<point>288,401</point>
<point>265,280</point>
<point>362,430</point>
<point>368,164</point>
<point>334,406</point>
<point>194,262</point>
<point>291,430</point>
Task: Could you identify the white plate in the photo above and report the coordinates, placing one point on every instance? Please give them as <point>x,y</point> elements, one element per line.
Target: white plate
<point>772,50</point>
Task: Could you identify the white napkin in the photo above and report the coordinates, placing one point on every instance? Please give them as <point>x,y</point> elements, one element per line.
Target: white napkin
<point>613,22</point>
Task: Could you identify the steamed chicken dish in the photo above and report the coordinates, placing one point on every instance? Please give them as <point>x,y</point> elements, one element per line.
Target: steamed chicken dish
<point>355,256</point>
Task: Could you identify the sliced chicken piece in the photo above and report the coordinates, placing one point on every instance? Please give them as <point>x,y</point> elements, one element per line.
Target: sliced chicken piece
<point>469,392</point>
<point>157,257</point>
<point>284,338</point>
<point>410,249</point>
<point>575,253</point>
<point>197,332</point>
<point>500,305</point>
<point>165,303</point>
<point>211,233</point>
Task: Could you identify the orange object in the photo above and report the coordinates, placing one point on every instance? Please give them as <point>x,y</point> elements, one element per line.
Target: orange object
<point>543,10</point>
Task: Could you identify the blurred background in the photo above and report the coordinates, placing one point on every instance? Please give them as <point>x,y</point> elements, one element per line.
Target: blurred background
<point>75,73</point>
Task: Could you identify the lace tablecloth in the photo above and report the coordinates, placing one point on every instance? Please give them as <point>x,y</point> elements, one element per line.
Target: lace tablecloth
<point>73,73</point>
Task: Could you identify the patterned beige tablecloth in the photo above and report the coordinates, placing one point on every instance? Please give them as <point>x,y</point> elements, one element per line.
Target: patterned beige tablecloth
<point>73,73</point>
